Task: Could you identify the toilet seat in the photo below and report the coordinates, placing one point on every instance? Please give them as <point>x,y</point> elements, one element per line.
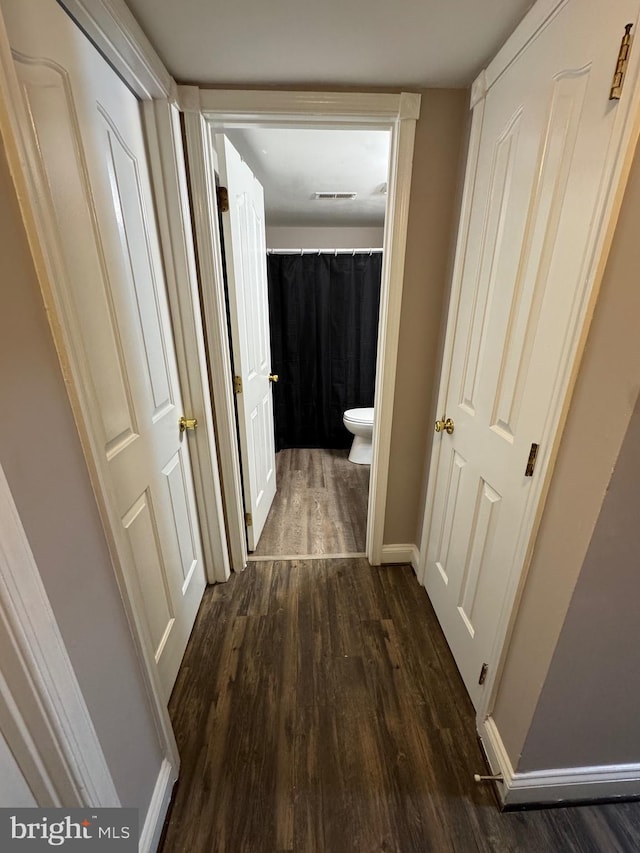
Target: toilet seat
<point>359,416</point>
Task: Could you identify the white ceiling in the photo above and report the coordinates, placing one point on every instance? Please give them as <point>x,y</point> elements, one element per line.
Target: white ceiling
<point>292,164</point>
<point>325,43</point>
<point>328,42</point>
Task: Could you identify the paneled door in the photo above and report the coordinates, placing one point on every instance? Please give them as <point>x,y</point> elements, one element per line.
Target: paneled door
<point>88,165</point>
<point>545,136</point>
<point>246,261</point>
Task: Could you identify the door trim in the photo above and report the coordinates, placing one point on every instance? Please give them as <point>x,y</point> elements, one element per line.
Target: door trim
<point>169,177</point>
<point>202,183</point>
<point>119,37</point>
<point>616,171</point>
<point>40,229</point>
<point>208,111</point>
<point>43,713</point>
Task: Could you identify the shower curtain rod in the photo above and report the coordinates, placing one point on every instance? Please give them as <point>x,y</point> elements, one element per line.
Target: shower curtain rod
<point>321,251</point>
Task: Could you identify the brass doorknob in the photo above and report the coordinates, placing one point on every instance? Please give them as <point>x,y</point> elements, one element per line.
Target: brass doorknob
<point>445,425</point>
<point>187,423</point>
<point>273,377</point>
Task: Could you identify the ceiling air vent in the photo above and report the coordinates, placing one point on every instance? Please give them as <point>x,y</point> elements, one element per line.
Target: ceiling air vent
<point>335,196</point>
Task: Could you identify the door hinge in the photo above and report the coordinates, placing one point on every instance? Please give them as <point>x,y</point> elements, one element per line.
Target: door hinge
<point>223,199</point>
<point>483,673</point>
<point>248,519</point>
<point>621,65</point>
<point>531,462</point>
<point>237,384</point>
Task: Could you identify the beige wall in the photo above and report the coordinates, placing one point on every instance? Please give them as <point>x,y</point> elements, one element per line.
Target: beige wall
<point>604,398</point>
<point>41,455</point>
<point>440,139</point>
<point>589,709</point>
<point>323,237</point>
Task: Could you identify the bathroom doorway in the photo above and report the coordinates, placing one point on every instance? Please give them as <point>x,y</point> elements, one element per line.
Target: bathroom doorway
<point>325,204</point>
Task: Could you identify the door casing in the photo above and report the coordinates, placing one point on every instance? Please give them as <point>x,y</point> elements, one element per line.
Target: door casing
<point>210,111</point>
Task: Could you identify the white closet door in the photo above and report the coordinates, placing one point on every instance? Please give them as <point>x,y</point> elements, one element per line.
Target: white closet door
<point>88,159</point>
<point>547,129</point>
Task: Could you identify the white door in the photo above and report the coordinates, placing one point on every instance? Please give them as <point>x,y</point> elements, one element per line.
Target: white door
<point>546,133</point>
<point>88,160</point>
<point>246,262</point>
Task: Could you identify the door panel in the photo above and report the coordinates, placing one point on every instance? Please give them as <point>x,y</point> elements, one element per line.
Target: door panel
<point>246,258</point>
<point>177,483</point>
<point>525,304</point>
<point>88,159</point>
<point>49,101</point>
<point>142,531</point>
<point>137,269</point>
<point>547,128</point>
<point>496,230</point>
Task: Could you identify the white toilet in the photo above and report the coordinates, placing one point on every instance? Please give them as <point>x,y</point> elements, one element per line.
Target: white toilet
<point>360,423</point>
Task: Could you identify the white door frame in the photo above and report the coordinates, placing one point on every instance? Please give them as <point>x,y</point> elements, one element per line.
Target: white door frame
<point>122,42</point>
<point>208,111</point>
<point>173,214</point>
<point>618,164</point>
<point>43,714</point>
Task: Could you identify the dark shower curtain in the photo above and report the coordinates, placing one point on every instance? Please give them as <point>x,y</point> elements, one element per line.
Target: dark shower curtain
<point>324,328</point>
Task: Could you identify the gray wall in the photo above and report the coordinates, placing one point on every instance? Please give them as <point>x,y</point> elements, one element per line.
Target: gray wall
<point>41,455</point>
<point>601,408</point>
<point>589,708</point>
<point>439,145</point>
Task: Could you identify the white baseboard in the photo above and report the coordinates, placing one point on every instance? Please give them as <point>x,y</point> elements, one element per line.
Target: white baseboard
<point>497,756</point>
<point>406,553</point>
<point>157,811</point>
<point>557,785</point>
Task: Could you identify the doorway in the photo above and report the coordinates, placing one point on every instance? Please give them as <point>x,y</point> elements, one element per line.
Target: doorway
<point>321,206</point>
<point>208,112</point>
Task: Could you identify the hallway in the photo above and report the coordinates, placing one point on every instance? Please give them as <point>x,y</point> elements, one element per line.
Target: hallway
<point>318,709</point>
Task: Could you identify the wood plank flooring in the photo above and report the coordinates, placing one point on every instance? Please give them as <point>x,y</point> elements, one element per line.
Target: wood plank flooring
<point>318,710</point>
<point>320,506</point>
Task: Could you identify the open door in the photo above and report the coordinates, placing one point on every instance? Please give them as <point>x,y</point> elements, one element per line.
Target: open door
<point>246,259</point>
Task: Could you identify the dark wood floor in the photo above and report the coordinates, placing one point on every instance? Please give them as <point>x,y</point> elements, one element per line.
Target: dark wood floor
<point>318,709</point>
<point>320,507</point>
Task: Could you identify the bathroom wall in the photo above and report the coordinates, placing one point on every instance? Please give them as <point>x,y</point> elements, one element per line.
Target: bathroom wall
<point>309,237</point>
